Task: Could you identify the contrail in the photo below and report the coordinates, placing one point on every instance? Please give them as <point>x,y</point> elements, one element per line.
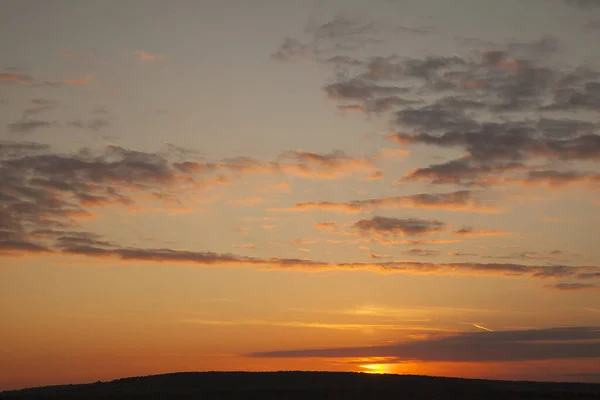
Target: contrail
<point>482,327</point>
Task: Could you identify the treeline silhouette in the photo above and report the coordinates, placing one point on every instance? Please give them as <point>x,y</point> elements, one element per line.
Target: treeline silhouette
<point>308,385</point>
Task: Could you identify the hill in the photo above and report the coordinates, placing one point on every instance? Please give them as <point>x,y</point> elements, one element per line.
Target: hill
<point>307,385</point>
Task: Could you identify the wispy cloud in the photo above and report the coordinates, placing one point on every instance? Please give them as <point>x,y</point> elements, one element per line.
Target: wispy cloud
<point>463,200</point>
<point>470,232</point>
<point>144,56</point>
<point>80,81</point>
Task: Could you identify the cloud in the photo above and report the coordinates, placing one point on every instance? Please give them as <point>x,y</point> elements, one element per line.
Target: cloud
<point>15,78</point>
<point>45,225</point>
<point>30,125</point>
<point>248,201</point>
<point>470,232</point>
<point>584,4</point>
<point>384,226</point>
<point>302,164</point>
<point>593,24</point>
<point>39,106</point>
<point>294,50</point>
<point>481,346</point>
<point>78,82</point>
<point>402,267</point>
<point>327,165</point>
<point>301,324</point>
<point>463,103</point>
<point>555,179</point>
<point>94,124</point>
<point>12,78</point>
<point>44,190</point>
<point>143,56</point>
<point>534,255</point>
<point>463,171</point>
<point>378,256</point>
<point>462,200</point>
<point>421,252</point>
<point>327,226</point>
<point>572,287</point>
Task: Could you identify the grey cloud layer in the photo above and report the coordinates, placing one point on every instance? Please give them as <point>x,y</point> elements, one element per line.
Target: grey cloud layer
<point>526,345</point>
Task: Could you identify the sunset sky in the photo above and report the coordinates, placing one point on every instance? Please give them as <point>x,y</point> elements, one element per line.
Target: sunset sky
<point>407,186</point>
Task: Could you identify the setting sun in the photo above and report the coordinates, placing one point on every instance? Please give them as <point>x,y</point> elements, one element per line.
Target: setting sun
<point>376,368</point>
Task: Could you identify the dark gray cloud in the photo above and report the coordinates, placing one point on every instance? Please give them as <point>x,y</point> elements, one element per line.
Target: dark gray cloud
<point>364,91</point>
<point>509,141</point>
<point>45,191</point>
<point>501,106</point>
<point>466,171</point>
<point>500,346</point>
<point>384,226</point>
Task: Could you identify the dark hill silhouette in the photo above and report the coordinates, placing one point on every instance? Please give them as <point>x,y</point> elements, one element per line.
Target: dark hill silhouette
<point>307,385</point>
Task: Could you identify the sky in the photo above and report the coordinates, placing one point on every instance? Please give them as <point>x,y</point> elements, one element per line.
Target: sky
<point>402,186</point>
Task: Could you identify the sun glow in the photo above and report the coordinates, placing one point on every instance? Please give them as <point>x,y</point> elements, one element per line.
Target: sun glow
<point>375,368</point>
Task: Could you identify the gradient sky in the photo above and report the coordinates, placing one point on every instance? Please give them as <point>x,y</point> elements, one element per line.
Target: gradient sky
<point>383,186</point>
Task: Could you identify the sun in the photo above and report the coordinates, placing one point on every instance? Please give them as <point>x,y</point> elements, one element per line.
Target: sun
<point>375,368</point>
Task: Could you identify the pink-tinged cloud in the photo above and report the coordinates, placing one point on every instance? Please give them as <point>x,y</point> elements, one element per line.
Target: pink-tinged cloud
<point>328,226</point>
<point>144,56</point>
<point>392,153</point>
<point>310,165</point>
<point>79,82</point>
<point>325,166</point>
<point>16,78</point>
<point>557,179</point>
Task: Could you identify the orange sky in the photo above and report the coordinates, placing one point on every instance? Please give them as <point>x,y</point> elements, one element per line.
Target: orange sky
<point>401,187</point>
